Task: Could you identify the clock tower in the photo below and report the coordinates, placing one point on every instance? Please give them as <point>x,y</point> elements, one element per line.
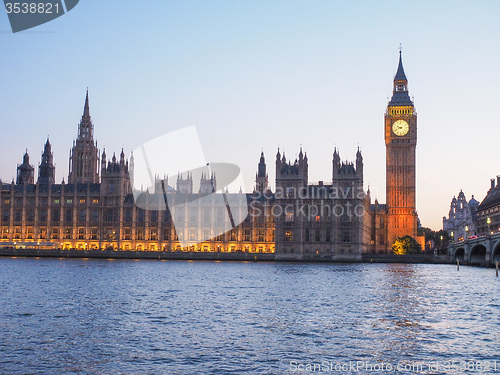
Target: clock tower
<point>400,143</point>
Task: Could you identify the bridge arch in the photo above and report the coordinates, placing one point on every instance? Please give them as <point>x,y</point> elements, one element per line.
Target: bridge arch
<point>495,254</point>
<point>477,254</point>
<point>459,254</point>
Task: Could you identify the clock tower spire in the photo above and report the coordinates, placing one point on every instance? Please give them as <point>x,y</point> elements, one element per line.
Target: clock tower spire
<point>400,142</point>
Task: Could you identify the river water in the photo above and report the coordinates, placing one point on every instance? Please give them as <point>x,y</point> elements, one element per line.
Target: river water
<point>82,316</point>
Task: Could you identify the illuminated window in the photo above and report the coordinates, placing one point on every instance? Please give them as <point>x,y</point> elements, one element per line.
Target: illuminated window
<point>93,234</point>
<point>153,234</point>
<point>127,234</point>
<point>140,234</point>
<point>288,236</point>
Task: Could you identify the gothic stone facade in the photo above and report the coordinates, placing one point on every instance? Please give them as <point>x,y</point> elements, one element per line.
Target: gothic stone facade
<point>323,221</point>
<point>96,208</point>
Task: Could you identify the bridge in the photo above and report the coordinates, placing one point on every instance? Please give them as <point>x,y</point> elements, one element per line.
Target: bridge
<point>483,250</point>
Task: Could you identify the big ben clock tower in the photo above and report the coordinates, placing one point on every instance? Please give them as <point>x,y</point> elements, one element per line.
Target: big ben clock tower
<point>400,143</point>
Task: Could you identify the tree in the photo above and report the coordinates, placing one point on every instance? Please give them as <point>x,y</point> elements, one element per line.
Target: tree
<point>406,245</point>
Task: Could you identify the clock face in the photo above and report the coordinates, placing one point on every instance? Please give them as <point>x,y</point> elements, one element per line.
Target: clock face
<point>400,128</point>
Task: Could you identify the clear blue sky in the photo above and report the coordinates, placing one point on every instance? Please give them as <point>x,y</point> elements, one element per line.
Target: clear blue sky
<point>255,75</point>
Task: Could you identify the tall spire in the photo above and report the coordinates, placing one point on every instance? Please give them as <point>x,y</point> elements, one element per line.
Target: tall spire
<point>261,169</point>
<point>400,95</point>
<point>400,73</point>
<point>84,158</point>
<point>86,128</point>
<point>86,110</point>
<point>261,178</point>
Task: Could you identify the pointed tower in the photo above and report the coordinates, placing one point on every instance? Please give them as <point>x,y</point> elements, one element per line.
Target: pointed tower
<point>206,184</point>
<point>185,185</point>
<point>84,157</point>
<point>290,176</point>
<point>261,178</point>
<point>359,164</point>
<point>122,158</point>
<point>103,161</point>
<point>46,169</point>
<point>25,171</point>
<point>335,162</point>
<point>400,142</point>
<point>131,168</point>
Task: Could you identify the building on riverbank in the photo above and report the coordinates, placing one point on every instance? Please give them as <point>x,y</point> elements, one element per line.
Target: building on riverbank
<point>97,209</point>
<point>462,218</point>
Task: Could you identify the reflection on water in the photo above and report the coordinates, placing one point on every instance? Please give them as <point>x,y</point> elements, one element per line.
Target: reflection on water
<point>97,316</point>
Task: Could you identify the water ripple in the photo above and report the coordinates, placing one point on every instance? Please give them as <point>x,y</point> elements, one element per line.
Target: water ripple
<point>121,317</point>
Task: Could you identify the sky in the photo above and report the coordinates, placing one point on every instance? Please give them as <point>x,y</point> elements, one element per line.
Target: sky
<point>253,76</point>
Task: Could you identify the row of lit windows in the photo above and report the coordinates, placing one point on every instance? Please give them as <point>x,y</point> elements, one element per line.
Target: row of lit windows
<point>400,111</point>
<point>141,234</point>
<point>44,201</point>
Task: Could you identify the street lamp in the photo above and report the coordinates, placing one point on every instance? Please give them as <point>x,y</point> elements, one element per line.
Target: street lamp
<point>452,234</point>
<point>488,221</point>
<point>466,232</point>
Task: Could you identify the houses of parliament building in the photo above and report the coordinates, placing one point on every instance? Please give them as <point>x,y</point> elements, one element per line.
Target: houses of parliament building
<point>96,208</point>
